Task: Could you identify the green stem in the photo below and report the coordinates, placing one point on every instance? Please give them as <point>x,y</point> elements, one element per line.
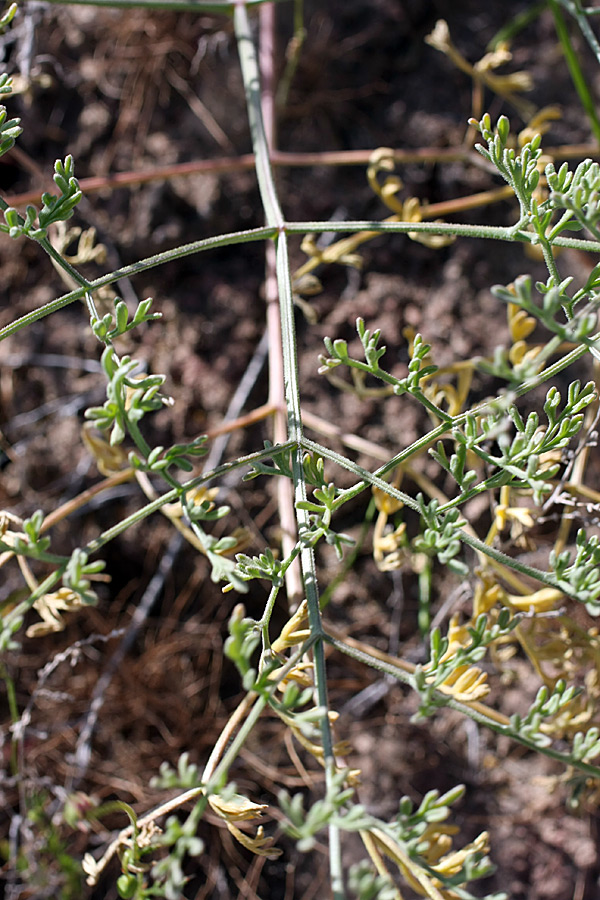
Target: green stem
<point>220,774</point>
<point>509,561</point>
<point>266,617</point>
<point>173,495</point>
<point>63,264</point>
<point>19,611</point>
<point>425,584</point>
<point>251,76</point>
<point>516,25</point>
<point>268,192</point>
<point>487,232</point>
<point>151,262</point>
<point>60,262</point>
<point>591,227</point>
<point>142,444</point>
<point>13,708</point>
<point>266,232</point>
<point>375,478</point>
<point>581,15</point>
<point>136,517</point>
<point>52,558</point>
<point>429,438</point>
<point>216,778</point>
<point>431,407</point>
<point>478,716</point>
<point>292,56</point>
<point>549,259</point>
<point>394,382</point>
<point>270,605</point>
<point>577,75</point>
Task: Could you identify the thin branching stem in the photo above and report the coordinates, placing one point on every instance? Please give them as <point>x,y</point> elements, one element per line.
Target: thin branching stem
<point>138,516</point>
<point>476,711</point>
<point>268,232</point>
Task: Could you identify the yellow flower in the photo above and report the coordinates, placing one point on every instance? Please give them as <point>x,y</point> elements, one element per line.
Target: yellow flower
<point>521,352</point>
<point>91,869</point>
<point>466,684</point>
<point>504,85</point>
<point>109,459</point>
<point>453,863</point>
<point>539,124</point>
<point>301,674</point>
<point>87,249</point>
<point>50,607</point>
<point>439,841</point>
<point>540,601</point>
<point>518,514</point>
<point>295,631</point>
<point>449,864</point>
<point>382,160</point>
<point>340,748</point>
<point>389,551</point>
<point>259,844</point>
<point>549,459</point>
<point>434,241</point>
<point>498,57</point>
<point>238,808</point>
<point>385,503</point>
<point>408,210</point>
<point>333,253</point>
<point>196,497</point>
<point>520,324</point>
<point>488,594</point>
<point>507,84</point>
<point>458,637</point>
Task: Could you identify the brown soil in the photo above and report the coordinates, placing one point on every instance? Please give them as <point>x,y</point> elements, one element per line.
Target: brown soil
<point>126,91</point>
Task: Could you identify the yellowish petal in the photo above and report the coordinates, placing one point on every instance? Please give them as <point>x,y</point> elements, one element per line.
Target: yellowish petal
<point>543,600</point>
<point>454,862</point>
<point>466,684</point>
<point>236,808</point>
<point>259,845</point>
<point>385,503</point>
<point>434,241</point>
<point>294,631</point>
<point>521,325</point>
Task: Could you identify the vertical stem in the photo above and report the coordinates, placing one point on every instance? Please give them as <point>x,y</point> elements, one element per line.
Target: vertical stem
<point>292,56</point>
<point>284,488</point>
<point>14,716</point>
<point>307,557</point>
<point>572,61</point>
<point>274,216</point>
<point>549,259</point>
<point>266,64</point>
<point>285,497</point>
